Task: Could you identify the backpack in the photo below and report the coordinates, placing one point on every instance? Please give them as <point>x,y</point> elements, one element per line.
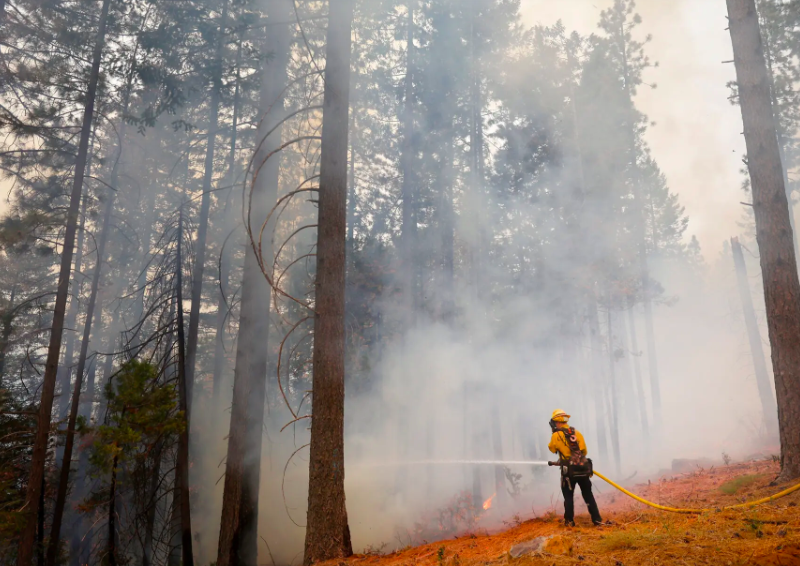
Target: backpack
<point>578,465</point>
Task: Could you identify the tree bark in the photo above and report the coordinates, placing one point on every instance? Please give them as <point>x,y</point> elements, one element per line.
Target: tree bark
<point>40,528</point>
<point>238,540</point>
<point>205,206</point>
<point>773,227</point>
<point>327,531</point>
<point>182,465</point>
<point>112,516</point>
<point>39,455</point>
<point>152,495</point>
<point>71,319</point>
<point>754,337</point>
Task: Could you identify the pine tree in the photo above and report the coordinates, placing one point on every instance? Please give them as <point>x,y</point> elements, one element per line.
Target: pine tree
<point>773,228</point>
<point>327,531</point>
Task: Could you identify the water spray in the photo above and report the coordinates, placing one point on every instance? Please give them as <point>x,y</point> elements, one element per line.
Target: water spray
<point>460,462</point>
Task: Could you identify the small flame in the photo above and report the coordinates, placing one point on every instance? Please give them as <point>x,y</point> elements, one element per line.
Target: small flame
<point>488,503</point>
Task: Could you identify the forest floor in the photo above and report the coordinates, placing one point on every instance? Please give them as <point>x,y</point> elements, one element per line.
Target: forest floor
<point>768,535</point>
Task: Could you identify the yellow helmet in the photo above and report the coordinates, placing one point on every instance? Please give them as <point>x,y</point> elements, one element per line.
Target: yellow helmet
<point>560,416</point>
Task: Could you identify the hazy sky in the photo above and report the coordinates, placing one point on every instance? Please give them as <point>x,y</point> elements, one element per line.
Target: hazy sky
<point>697,137</point>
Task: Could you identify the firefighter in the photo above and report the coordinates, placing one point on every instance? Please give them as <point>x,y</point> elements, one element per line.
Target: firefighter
<point>576,468</point>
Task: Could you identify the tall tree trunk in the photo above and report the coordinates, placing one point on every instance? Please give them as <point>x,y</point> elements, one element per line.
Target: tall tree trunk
<point>596,342</point>
<point>327,531</point>
<point>773,227</point>
<point>141,281</point>
<point>754,336</point>
<point>205,205</point>
<point>112,516</point>
<point>63,484</point>
<point>40,529</point>
<point>182,465</point>
<point>225,254</point>
<point>447,221</point>
<point>238,538</point>
<point>476,161</point>
<point>408,193</point>
<point>28,533</point>
<point>637,370</point>
<point>614,394</point>
<point>65,368</point>
<point>408,235</point>
<point>650,335</point>
<point>152,501</point>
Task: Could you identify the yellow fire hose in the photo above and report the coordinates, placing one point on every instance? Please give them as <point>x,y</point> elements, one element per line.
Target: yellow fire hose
<point>783,493</point>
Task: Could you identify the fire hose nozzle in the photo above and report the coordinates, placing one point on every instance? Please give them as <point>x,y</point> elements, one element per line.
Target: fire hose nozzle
<point>553,463</point>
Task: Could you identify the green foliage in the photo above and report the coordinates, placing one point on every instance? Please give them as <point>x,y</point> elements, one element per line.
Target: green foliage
<point>141,411</point>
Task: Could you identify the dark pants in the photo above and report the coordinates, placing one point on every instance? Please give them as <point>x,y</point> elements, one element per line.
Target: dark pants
<point>568,490</point>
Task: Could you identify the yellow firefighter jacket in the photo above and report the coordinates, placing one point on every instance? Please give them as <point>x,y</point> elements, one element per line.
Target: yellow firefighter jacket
<point>559,445</point>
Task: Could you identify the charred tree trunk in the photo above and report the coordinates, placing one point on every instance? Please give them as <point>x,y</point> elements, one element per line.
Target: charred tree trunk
<point>205,206</point>
<point>754,337</point>
<point>112,516</point>
<point>238,538</point>
<point>773,227</point>
<point>65,368</point>
<point>182,465</point>
<point>39,455</point>
<point>327,533</point>
<point>40,529</point>
<point>152,501</point>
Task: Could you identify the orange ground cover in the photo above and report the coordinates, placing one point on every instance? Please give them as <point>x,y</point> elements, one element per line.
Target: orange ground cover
<point>768,535</point>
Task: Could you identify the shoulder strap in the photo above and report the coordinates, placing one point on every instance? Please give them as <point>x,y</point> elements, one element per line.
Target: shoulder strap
<point>570,437</point>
